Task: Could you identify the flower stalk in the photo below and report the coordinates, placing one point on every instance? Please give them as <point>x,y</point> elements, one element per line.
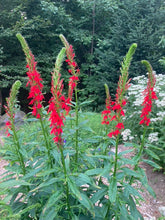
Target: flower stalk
<point>10,110</point>
<point>119,103</point>
<point>35,94</point>
<point>73,80</point>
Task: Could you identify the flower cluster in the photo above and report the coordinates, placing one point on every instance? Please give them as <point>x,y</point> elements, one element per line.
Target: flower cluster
<point>117,108</point>
<point>36,86</point>
<point>135,93</point>
<point>149,96</point>
<point>56,107</point>
<point>106,114</point>
<point>8,128</point>
<point>153,137</point>
<point>126,135</point>
<point>73,70</point>
<point>120,101</point>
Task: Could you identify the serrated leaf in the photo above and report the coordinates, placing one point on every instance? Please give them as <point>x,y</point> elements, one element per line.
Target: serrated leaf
<point>152,163</point>
<point>152,154</point>
<point>12,183</point>
<point>112,190</point>
<point>125,152</point>
<point>130,172</point>
<point>134,212</point>
<point>53,199</point>
<point>93,172</point>
<point>86,202</point>
<point>45,173</point>
<point>50,215</point>
<point>74,189</point>
<point>98,195</point>
<point>46,183</point>
<point>32,173</point>
<point>86,103</point>
<point>130,190</point>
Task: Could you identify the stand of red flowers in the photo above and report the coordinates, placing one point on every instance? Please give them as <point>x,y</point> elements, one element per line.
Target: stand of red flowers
<point>53,177</point>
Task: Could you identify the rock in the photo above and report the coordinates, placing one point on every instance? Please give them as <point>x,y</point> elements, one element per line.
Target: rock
<point>162,210</point>
<point>19,118</point>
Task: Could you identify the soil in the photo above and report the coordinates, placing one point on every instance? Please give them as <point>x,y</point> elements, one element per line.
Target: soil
<point>150,208</point>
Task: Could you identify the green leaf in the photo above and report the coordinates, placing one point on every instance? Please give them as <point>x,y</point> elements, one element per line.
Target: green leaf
<point>130,172</point>
<point>98,195</point>
<point>50,214</point>
<point>134,212</point>
<point>86,202</point>
<point>74,189</point>
<point>112,190</point>
<point>86,103</point>
<point>152,154</point>
<point>12,183</point>
<point>130,190</point>
<point>125,152</point>
<point>92,172</point>
<point>45,173</point>
<point>74,217</point>
<point>53,199</point>
<point>152,163</point>
<point>48,183</point>
<point>32,173</point>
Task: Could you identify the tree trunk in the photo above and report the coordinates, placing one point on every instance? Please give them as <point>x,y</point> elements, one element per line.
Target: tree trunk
<point>93,26</point>
<point>0,102</point>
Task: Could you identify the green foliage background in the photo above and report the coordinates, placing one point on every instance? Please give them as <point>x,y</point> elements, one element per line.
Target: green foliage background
<point>100,31</point>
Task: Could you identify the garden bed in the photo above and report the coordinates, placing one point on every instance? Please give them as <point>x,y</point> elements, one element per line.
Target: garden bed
<point>150,207</point>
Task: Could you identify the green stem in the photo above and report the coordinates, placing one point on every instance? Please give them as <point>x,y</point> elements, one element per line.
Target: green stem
<point>116,156</point>
<point>65,173</point>
<point>46,144</point>
<point>139,153</point>
<point>17,147</point>
<point>76,134</point>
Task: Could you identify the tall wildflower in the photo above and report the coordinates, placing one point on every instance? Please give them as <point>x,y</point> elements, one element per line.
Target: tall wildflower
<point>10,110</point>
<point>106,114</point>
<point>149,95</point>
<point>73,68</point>
<point>57,104</point>
<point>120,101</point>
<point>10,106</point>
<point>34,79</point>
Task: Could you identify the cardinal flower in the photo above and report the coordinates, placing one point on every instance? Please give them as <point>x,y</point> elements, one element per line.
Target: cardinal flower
<point>149,95</point>
<point>36,86</point>
<point>73,68</point>
<point>57,107</point>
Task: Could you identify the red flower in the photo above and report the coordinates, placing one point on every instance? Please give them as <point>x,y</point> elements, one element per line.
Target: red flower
<point>116,106</point>
<point>73,70</point>
<point>120,126</point>
<point>36,86</point>
<point>149,96</point>
<point>8,127</point>
<point>114,133</point>
<point>57,105</point>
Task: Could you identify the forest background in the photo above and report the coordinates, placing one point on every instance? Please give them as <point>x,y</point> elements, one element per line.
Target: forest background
<point>101,32</point>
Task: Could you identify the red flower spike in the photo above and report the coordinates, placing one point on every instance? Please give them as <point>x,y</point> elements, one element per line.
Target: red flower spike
<point>57,105</point>
<point>73,70</point>
<point>149,96</point>
<point>8,127</point>
<point>36,86</point>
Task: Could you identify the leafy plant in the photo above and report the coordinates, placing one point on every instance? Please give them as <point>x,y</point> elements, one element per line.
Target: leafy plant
<point>57,171</point>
